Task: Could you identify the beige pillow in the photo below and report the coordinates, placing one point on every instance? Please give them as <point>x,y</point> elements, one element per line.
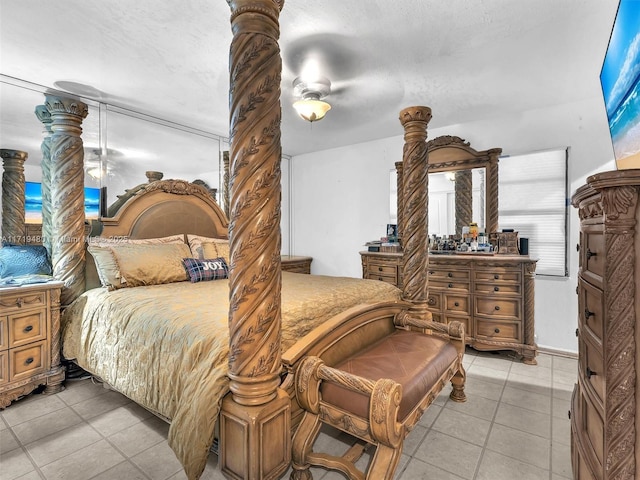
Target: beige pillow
<point>206,248</point>
<point>152,264</point>
<point>105,261</point>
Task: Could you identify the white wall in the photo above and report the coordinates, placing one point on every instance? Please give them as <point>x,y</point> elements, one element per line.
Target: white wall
<point>340,197</point>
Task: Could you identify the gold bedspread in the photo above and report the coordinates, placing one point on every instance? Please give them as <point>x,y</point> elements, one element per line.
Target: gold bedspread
<point>166,346</point>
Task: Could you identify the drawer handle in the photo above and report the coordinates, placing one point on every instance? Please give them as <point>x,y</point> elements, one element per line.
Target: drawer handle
<point>28,361</point>
<point>569,414</point>
<point>28,328</point>
<point>450,275</point>
<point>588,314</point>
<point>431,272</point>
<point>496,330</point>
<point>19,302</point>
<point>379,269</point>
<point>496,289</point>
<point>577,332</point>
<point>380,278</point>
<point>590,373</point>
<point>576,290</point>
<point>496,277</point>
<point>431,301</point>
<point>590,254</point>
<point>577,247</point>
<point>450,285</point>
<point>457,304</point>
<point>497,307</point>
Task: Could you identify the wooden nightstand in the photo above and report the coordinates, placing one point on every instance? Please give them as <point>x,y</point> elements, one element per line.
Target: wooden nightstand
<point>292,263</point>
<point>29,340</point>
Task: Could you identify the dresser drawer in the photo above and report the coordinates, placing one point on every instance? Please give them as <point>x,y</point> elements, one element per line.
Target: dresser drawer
<point>592,366</point>
<point>434,301</point>
<point>498,275</point>
<point>449,275</point>
<point>449,285</point>
<point>591,430</point>
<point>458,304</point>
<point>4,367</point>
<point>498,289</point>
<point>590,309</point>
<point>27,361</point>
<point>22,301</point>
<point>592,253</point>
<point>27,327</point>
<point>498,307</point>
<point>496,330</point>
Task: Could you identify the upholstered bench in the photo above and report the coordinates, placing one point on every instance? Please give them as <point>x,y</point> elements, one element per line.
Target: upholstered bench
<point>377,395</point>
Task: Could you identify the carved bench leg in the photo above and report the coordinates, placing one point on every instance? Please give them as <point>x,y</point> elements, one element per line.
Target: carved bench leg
<point>303,441</point>
<point>457,382</point>
<point>384,463</point>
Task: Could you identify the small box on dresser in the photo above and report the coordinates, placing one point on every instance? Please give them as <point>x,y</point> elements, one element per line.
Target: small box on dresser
<point>605,438</point>
<point>29,340</point>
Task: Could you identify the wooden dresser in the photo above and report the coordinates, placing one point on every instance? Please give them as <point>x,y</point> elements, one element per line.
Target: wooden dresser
<point>605,440</point>
<point>492,295</point>
<point>295,264</point>
<point>29,340</point>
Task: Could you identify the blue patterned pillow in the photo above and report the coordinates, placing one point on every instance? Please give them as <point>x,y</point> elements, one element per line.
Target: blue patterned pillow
<point>202,270</point>
<point>16,260</point>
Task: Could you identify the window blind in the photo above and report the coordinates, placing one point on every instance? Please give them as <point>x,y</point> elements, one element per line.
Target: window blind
<point>532,194</point>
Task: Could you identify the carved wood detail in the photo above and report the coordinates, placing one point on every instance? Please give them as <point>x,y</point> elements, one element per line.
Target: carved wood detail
<point>400,202</point>
<point>45,164</point>
<point>13,199</point>
<point>416,202</point>
<point>67,194</point>
<point>464,199</point>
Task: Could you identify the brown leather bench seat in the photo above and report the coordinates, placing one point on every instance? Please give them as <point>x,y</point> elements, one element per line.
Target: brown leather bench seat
<point>416,362</point>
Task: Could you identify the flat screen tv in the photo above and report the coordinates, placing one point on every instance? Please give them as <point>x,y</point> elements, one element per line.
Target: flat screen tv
<point>33,202</point>
<point>620,80</point>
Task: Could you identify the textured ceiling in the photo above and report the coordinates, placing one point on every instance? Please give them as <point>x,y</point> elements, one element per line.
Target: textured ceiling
<point>467,60</point>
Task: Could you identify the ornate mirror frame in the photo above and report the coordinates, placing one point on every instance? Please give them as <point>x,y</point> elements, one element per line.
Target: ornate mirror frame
<point>449,153</point>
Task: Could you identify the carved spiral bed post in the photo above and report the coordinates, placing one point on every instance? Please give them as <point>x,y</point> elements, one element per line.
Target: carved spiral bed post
<point>13,195</point>
<point>399,202</point>
<point>67,194</point>
<point>45,164</point>
<point>225,181</point>
<point>415,183</point>
<point>257,409</point>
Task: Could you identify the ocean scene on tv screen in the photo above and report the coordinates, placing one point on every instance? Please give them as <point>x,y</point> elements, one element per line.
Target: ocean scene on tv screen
<point>33,202</point>
<point>620,79</point>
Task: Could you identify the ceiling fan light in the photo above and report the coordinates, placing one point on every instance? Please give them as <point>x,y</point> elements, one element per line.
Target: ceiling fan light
<point>311,110</point>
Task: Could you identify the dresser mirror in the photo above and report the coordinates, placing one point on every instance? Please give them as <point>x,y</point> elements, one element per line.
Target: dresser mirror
<point>463,187</point>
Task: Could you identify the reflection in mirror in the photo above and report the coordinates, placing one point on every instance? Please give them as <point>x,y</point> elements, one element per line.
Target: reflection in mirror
<point>455,200</point>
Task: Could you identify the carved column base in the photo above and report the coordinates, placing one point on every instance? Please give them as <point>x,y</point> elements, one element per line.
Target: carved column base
<point>255,441</point>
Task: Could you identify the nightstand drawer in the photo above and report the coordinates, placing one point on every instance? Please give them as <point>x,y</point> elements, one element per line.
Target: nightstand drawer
<point>381,269</point>
<point>591,365</point>
<point>590,308</point>
<point>384,278</point>
<point>27,361</point>
<point>22,301</point>
<point>27,327</point>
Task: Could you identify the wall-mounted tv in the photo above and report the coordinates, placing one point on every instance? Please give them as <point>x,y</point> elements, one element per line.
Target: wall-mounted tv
<point>33,202</point>
<point>620,80</point>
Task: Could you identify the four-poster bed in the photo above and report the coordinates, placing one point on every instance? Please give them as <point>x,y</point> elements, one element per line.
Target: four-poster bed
<point>260,354</point>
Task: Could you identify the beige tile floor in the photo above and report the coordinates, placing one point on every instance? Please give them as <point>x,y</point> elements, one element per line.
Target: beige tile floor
<point>513,426</point>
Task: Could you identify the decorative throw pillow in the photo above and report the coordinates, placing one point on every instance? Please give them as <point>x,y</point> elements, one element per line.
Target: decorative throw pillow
<point>208,247</point>
<point>18,260</point>
<point>154,264</point>
<point>105,261</point>
<point>203,270</point>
